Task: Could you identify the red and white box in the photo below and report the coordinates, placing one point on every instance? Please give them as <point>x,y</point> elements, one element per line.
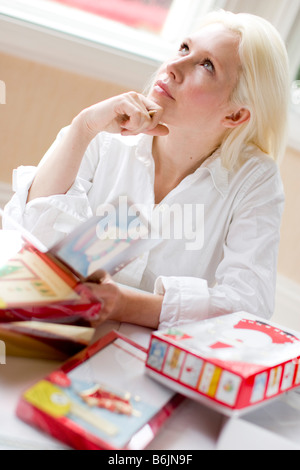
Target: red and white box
<point>232,363</point>
<point>100,398</point>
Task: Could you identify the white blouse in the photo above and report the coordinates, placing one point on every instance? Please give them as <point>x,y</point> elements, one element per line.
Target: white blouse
<point>231,263</point>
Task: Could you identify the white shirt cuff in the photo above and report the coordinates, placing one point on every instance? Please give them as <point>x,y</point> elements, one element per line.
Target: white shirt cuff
<point>186,299</point>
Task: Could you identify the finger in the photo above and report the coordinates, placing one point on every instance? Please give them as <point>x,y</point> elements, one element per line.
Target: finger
<point>131,108</point>
<point>97,277</point>
<point>138,121</point>
<point>138,114</point>
<point>104,290</point>
<point>152,112</point>
<point>159,130</point>
<point>141,112</point>
<point>153,128</point>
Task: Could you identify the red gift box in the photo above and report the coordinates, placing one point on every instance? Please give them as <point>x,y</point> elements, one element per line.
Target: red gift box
<point>101,398</point>
<point>232,363</point>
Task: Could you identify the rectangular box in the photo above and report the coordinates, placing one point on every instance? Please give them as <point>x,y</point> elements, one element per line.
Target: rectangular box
<point>101,398</point>
<point>232,363</point>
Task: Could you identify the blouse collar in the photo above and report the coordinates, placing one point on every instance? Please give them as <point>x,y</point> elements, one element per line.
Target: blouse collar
<point>213,164</point>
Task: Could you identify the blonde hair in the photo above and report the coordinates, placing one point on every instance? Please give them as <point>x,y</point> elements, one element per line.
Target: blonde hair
<point>262,87</point>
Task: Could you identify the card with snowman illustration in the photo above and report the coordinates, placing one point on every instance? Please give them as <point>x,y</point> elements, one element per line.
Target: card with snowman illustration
<point>232,363</point>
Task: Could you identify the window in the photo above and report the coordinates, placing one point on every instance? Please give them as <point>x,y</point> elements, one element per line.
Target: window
<point>124,41</point>
<point>293,41</point>
<point>58,34</point>
<point>141,14</point>
<point>141,30</point>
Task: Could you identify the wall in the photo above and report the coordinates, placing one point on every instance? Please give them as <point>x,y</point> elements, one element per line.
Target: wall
<point>287,307</point>
<point>289,253</point>
<point>40,100</point>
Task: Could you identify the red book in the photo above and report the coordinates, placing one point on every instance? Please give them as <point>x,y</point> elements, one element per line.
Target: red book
<point>48,284</point>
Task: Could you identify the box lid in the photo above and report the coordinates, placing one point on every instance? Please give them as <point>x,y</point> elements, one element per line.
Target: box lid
<point>240,342</point>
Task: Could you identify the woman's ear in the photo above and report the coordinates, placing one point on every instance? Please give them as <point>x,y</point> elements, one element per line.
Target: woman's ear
<point>236,118</point>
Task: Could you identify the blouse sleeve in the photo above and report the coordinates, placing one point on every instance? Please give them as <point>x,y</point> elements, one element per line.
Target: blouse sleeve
<point>50,218</point>
<point>246,276</point>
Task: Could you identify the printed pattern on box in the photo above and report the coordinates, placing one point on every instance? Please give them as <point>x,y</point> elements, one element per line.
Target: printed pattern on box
<point>235,361</point>
<point>193,372</point>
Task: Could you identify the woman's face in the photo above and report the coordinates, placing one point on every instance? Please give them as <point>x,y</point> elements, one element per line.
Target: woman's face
<point>195,86</point>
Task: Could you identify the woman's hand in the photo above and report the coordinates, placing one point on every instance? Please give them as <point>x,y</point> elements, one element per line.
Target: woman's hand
<point>128,114</point>
<point>124,304</point>
<point>108,293</point>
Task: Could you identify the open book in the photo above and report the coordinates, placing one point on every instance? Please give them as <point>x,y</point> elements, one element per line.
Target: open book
<point>36,276</point>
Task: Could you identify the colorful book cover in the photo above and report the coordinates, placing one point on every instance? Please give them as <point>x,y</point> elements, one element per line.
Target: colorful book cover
<point>31,277</point>
<point>232,363</point>
<point>101,398</point>
<point>108,242</point>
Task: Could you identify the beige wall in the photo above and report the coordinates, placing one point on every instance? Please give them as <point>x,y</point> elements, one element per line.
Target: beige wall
<point>40,100</point>
<point>289,252</point>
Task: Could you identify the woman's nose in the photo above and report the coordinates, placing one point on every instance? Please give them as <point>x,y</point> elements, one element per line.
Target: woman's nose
<point>176,69</point>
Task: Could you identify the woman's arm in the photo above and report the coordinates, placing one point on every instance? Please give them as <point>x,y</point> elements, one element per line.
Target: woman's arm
<point>59,171</point>
<point>126,114</point>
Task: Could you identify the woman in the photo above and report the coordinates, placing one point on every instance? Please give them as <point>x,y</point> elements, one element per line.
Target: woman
<point>207,135</point>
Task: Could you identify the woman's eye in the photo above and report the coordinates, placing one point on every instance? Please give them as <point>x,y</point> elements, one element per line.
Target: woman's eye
<point>207,63</point>
<point>184,48</point>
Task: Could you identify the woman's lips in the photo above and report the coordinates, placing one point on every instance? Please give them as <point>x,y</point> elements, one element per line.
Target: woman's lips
<point>163,88</point>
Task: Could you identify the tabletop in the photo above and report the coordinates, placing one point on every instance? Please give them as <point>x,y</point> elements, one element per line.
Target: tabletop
<point>275,425</point>
<point>193,426</point>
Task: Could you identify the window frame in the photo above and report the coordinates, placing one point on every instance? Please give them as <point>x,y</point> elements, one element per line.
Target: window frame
<point>103,50</point>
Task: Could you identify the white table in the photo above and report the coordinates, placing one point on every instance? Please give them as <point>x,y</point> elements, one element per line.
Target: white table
<point>192,427</point>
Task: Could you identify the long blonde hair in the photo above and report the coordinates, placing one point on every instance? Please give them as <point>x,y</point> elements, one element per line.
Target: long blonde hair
<point>262,87</point>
